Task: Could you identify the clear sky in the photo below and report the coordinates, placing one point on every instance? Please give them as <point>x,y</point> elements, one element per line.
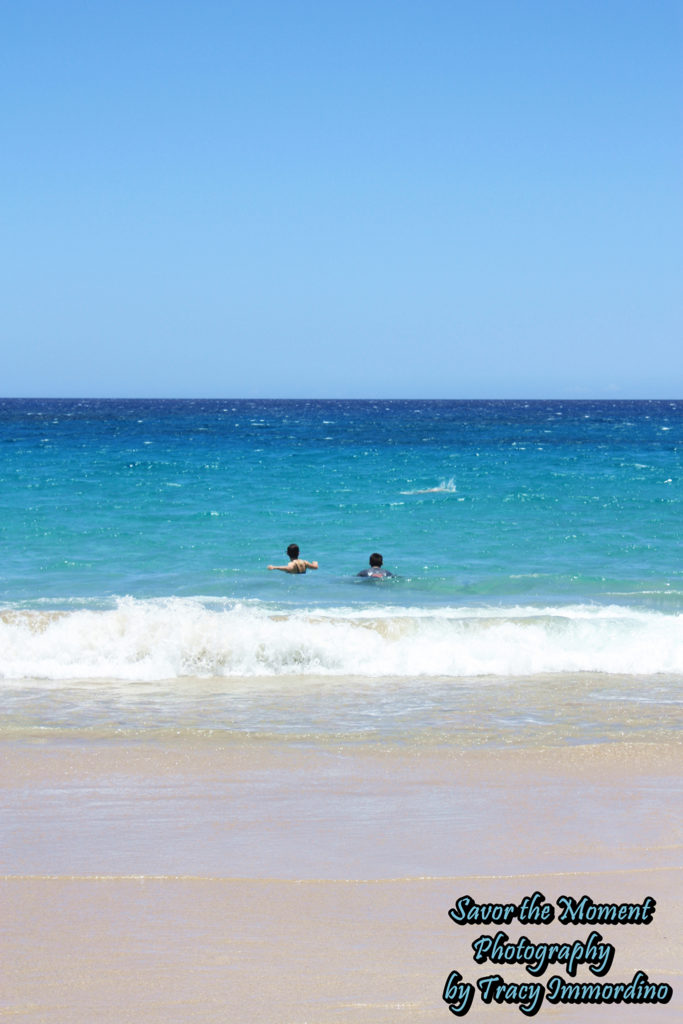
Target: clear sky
<point>265,198</point>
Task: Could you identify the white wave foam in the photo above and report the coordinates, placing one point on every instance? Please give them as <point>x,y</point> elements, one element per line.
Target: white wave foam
<point>445,487</point>
<point>162,639</point>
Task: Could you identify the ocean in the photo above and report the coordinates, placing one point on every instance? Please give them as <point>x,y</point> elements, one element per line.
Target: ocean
<point>537,595</point>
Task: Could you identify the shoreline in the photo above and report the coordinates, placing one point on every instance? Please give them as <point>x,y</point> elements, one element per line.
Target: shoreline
<point>557,711</point>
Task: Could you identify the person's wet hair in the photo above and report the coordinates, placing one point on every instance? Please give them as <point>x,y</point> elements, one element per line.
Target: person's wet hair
<point>293,551</point>
<point>376,560</point>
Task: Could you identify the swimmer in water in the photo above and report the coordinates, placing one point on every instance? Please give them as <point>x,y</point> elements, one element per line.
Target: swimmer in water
<point>296,565</point>
<point>375,572</point>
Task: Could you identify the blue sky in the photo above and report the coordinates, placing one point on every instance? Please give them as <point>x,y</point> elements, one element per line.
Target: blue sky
<point>440,199</point>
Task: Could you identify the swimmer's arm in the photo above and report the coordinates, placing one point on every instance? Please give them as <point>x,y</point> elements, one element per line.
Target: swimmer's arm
<point>311,565</point>
<point>282,568</point>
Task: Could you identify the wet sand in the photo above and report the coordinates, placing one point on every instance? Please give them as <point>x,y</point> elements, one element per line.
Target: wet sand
<point>200,880</point>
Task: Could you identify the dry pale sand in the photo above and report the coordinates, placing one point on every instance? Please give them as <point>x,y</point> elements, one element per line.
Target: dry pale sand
<point>203,881</point>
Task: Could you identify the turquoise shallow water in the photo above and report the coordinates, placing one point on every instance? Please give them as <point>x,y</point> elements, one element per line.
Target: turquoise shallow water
<point>487,501</point>
<point>529,540</point>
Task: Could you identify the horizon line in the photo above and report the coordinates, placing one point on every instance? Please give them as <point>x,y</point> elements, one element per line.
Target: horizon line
<point>320,398</point>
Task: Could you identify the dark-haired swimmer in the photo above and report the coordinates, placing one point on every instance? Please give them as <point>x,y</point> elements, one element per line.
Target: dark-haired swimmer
<point>375,572</point>
<point>296,565</point>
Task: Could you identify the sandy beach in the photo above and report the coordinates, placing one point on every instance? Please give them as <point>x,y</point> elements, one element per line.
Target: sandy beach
<point>211,880</point>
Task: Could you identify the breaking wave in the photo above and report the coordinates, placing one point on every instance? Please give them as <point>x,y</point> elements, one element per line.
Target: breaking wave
<point>445,487</point>
<point>170,638</point>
